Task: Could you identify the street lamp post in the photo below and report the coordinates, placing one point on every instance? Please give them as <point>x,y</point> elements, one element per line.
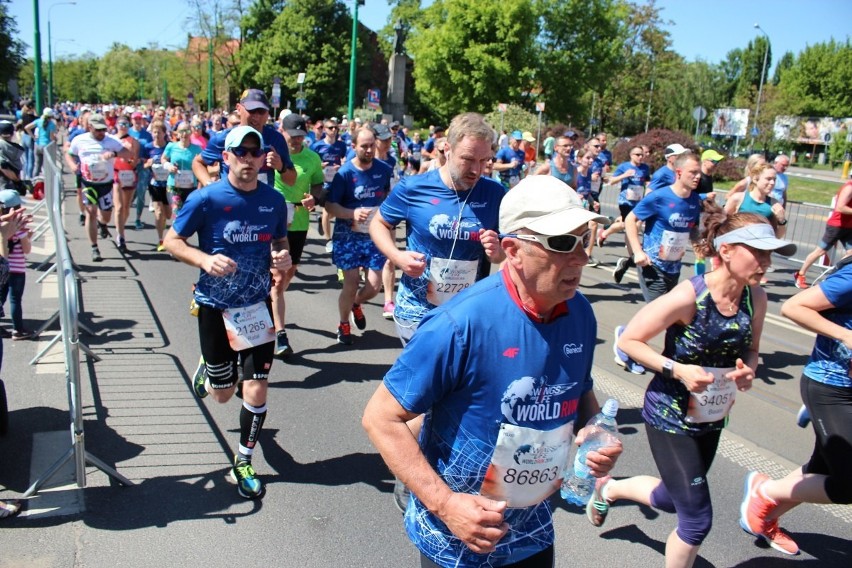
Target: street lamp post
<point>762,75</point>
<point>50,52</point>
<point>37,56</point>
<point>353,58</point>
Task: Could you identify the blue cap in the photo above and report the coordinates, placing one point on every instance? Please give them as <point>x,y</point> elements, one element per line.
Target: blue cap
<point>518,135</point>
<point>253,99</point>
<point>10,198</point>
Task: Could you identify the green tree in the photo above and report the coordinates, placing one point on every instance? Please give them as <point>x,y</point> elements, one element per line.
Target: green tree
<point>752,66</point>
<point>469,55</point>
<point>312,36</point>
<point>786,62</point>
<point>119,77</point>
<point>11,48</point>
<point>818,83</point>
<point>70,78</point>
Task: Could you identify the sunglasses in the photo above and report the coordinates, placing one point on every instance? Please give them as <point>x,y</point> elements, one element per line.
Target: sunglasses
<point>557,243</point>
<point>242,152</point>
<point>596,145</point>
<point>124,125</point>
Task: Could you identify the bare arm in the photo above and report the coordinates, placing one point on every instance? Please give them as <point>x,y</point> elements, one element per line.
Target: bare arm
<point>732,205</point>
<point>199,168</point>
<point>382,233</point>
<point>804,308</point>
<point>631,231</point>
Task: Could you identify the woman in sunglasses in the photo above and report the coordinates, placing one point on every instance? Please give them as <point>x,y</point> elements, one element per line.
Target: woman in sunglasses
<point>158,186</point>
<point>124,183</point>
<point>178,157</point>
<point>713,323</point>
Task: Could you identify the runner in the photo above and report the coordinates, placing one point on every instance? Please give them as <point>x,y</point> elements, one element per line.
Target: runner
<point>242,235</point>
<point>333,153</point>
<point>180,158</point>
<point>838,228</point>
<point>633,176</point>
<point>143,174</point>
<point>509,161</point>
<point>357,190</point>
<point>158,186</point>
<point>481,398</point>
<point>826,388</point>
<point>713,325</point>
<point>93,155</point>
<point>124,188</point>
<point>560,166</point>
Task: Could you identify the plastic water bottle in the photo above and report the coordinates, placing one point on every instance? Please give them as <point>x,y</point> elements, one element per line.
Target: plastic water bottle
<point>700,266</point>
<point>578,482</point>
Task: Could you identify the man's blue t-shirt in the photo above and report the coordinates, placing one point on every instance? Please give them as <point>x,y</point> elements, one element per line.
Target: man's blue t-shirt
<point>475,365</point>
<point>606,157</point>
<point>331,154</point>
<point>664,177</point>
<point>831,361</point>
<point>633,187</point>
<point>352,188</point>
<point>779,191</point>
<point>505,155</point>
<point>669,219</point>
<point>240,225</point>
<point>212,154</point>
<point>141,136</point>
<point>431,211</point>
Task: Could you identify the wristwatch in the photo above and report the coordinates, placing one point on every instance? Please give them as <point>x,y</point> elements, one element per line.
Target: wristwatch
<point>782,223</point>
<point>668,369</point>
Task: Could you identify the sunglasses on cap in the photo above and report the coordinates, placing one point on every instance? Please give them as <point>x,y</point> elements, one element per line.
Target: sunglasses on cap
<point>556,243</point>
<point>241,152</point>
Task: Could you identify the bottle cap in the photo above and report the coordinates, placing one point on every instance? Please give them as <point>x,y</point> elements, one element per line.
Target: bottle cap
<point>611,408</point>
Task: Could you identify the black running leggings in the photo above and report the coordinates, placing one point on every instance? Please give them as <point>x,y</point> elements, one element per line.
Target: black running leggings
<point>683,462</point>
<point>831,415</point>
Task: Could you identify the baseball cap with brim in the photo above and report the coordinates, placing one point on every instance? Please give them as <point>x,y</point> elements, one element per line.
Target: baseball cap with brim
<point>570,134</point>
<point>237,134</point>
<point>712,155</point>
<point>544,205</point>
<point>10,198</point>
<point>6,128</point>
<point>136,115</point>
<point>517,135</point>
<point>294,125</point>
<point>674,150</point>
<point>759,235</point>
<point>253,99</point>
<point>528,136</point>
<point>97,121</point>
<point>382,132</point>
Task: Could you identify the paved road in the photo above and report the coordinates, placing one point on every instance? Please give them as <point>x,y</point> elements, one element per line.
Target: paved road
<point>329,494</point>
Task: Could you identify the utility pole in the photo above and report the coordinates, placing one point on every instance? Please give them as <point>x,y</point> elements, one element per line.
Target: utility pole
<point>37,60</point>
<point>353,58</point>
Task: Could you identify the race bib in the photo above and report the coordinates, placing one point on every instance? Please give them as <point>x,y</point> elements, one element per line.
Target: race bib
<point>328,173</point>
<point>514,180</point>
<point>105,201</point>
<point>714,403</point>
<point>635,192</point>
<point>99,170</point>
<point>126,178</point>
<point>291,212</point>
<point>527,464</point>
<point>160,172</point>
<point>448,277</point>
<point>365,226</point>
<point>248,327</point>
<point>184,179</point>
<point>596,185</point>
<point>673,245</point>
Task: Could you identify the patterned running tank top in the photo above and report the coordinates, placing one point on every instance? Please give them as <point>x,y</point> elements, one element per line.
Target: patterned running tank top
<point>711,339</point>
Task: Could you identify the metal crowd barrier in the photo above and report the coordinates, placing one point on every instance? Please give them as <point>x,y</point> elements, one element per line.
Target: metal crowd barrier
<point>67,284</point>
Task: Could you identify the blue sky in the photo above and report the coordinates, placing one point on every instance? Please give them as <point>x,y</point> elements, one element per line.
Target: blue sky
<point>700,29</point>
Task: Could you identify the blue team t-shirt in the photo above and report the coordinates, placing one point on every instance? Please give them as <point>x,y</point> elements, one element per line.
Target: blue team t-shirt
<point>664,177</point>
<point>779,190</point>
<point>505,155</point>
<point>330,153</point>
<point>352,188</point>
<point>212,154</point>
<point>240,225</point>
<point>669,219</point>
<point>476,363</point>
<point>633,187</point>
<point>156,153</point>
<point>830,359</point>
<point>441,223</point>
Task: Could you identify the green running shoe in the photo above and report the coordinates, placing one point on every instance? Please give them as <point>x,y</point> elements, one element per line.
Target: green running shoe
<point>248,485</point>
<point>199,378</point>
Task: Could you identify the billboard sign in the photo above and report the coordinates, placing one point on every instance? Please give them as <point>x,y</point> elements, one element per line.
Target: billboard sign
<point>810,130</point>
<point>730,122</point>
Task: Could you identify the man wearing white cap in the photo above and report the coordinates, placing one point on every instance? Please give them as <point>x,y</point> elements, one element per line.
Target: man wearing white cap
<point>242,235</point>
<point>665,176</point>
<point>502,367</point>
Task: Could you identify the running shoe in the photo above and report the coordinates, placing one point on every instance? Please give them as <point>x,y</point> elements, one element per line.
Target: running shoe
<point>600,239</point>
<point>754,506</point>
<point>621,358</point>
<point>620,269</point>
<point>248,485</point>
<point>803,417</point>
<point>199,379</point>
<point>779,540</point>
<point>121,244</point>
<point>82,219</point>
<point>139,225</point>
<point>282,345</point>
<point>103,231</point>
<point>598,508</point>
<point>21,335</point>
<point>329,246</point>
<point>799,281</point>
<point>161,247</point>
<point>344,333</point>
<point>387,311</point>
<point>401,495</point>
<point>96,255</point>
<point>592,262</point>
<point>359,317</point>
